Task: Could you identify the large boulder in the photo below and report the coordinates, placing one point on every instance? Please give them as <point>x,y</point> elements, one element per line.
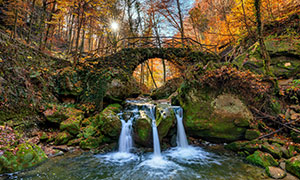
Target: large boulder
<point>143,130</point>
<point>213,117</point>
<point>293,165</point>
<point>103,127</point>
<point>110,120</point>
<point>26,156</point>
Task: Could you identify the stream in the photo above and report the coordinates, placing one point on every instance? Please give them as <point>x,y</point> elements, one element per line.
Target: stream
<point>181,162</point>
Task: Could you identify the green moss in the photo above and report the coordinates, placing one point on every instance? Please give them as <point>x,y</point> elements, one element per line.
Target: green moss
<point>262,159</point>
<point>273,149</point>
<point>165,118</point>
<point>110,121</point>
<point>62,138</point>
<point>89,131</point>
<point>72,124</point>
<point>44,137</point>
<point>223,119</point>
<point>91,142</point>
<point>295,136</point>
<point>236,146</point>
<point>252,134</point>
<point>27,156</point>
<point>293,166</point>
<point>143,130</point>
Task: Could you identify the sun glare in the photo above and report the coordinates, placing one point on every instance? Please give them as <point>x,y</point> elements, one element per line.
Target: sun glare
<point>114,26</point>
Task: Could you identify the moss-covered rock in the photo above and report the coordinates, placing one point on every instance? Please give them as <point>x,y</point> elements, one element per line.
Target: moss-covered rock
<point>293,165</point>
<point>273,149</point>
<point>262,159</point>
<point>165,118</point>
<point>288,152</point>
<point>284,52</point>
<point>236,146</point>
<point>72,124</point>
<point>57,113</point>
<point>295,137</point>
<point>44,136</point>
<point>91,142</point>
<point>26,156</point>
<point>69,82</point>
<point>62,138</point>
<point>110,121</point>
<point>222,118</point>
<point>275,172</point>
<point>246,147</point>
<point>143,130</point>
<point>252,134</point>
<point>89,131</point>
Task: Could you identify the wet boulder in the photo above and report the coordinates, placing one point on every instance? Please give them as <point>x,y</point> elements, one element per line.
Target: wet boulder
<point>165,119</point>
<point>143,130</point>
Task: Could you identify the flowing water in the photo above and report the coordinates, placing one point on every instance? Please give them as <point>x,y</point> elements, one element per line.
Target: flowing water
<point>181,136</point>
<point>156,145</point>
<point>181,162</point>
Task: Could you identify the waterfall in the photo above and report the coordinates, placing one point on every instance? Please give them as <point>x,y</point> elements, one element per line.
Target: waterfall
<point>125,140</point>
<point>181,136</point>
<point>156,145</point>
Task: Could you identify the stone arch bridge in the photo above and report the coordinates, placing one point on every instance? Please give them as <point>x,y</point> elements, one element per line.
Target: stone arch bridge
<point>128,53</point>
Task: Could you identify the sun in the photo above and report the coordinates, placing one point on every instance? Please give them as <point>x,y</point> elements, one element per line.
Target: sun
<point>114,26</point>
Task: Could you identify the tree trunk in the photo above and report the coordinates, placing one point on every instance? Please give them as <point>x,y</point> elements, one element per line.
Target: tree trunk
<point>181,22</point>
<point>264,52</point>
<point>13,35</point>
<point>82,41</point>
<point>49,25</point>
<point>151,74</point>
<point>142,75</point>
<point>164,70</point>
<point>70,39</point>
<point>245,19</point>
<point>30,21</point>
<point>80,21</point>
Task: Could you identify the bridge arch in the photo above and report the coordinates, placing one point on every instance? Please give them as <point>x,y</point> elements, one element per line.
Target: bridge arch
<point>129,58</point>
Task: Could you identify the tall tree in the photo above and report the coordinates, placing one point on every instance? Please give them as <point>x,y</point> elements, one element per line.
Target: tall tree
<point>263,49</point>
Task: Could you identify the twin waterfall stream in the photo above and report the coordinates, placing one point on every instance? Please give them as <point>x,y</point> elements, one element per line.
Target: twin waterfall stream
<point>130,163</point>
<point>126,140</point>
